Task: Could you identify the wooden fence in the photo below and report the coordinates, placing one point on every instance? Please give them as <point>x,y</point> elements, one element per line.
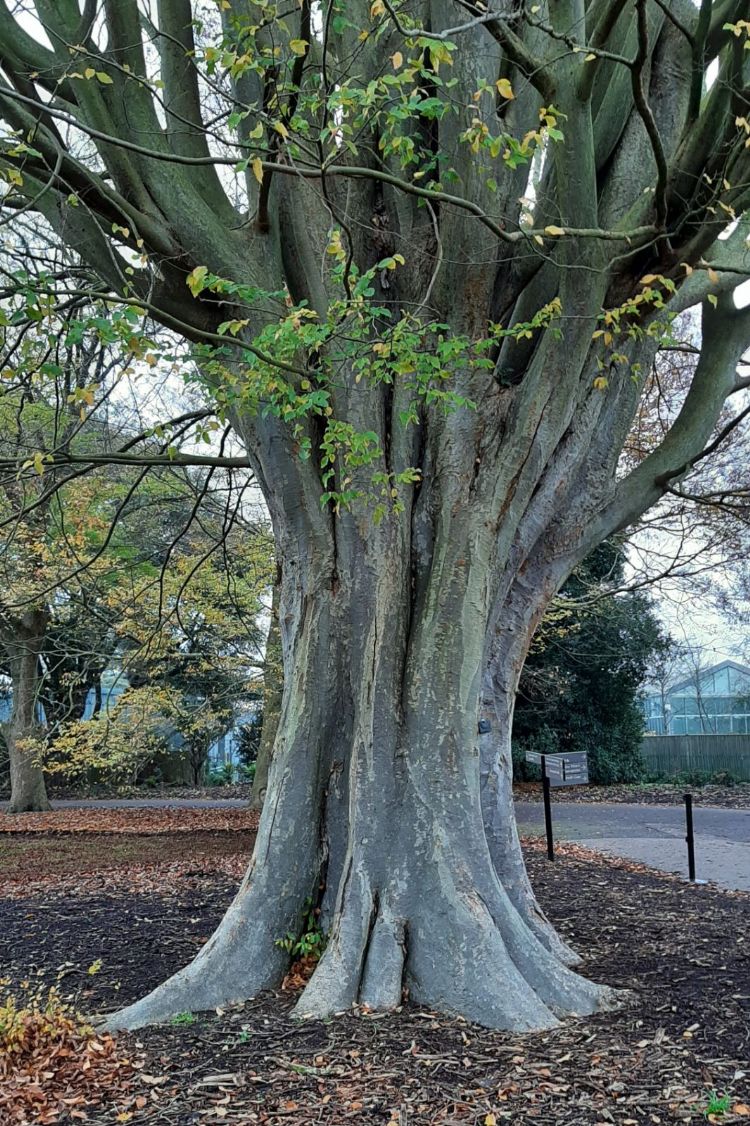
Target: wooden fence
<point>671,755</point>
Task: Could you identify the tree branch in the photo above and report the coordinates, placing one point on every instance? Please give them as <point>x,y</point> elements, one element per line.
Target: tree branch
<point>644,109</point>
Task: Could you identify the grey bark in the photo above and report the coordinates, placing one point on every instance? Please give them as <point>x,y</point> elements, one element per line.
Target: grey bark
<point>23,639</point>
<point>273,686</point>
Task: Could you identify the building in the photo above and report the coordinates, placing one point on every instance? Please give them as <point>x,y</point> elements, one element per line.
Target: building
<point>714,701</point>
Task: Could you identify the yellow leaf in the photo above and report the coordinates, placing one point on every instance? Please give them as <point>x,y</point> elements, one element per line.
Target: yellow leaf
<point>89,72</point>
<point>713,277</point>
<point>687,268</point>
<point>257,167</point>
<point>539,239</point>
<point>281,129</point>
<point>298,46</point>
<point>555,231</point>
<point>196,278</point>
<point>648,279</point>
<point>504,89</point>
<point>601,383</point>
<point>589,58</point>
<point>713,299</point>
<point>490,1120</point>
<point>377,9</point>
<point>104,78</point>
<point>397,60</point>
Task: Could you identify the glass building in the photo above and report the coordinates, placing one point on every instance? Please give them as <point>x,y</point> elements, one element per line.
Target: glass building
<point>712,701</point>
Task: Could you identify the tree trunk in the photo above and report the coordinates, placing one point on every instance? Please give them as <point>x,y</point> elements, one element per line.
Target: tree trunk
<point>273,688</point>
<point>23,640</point>
<point>508,648</point>
<point>373,809</point>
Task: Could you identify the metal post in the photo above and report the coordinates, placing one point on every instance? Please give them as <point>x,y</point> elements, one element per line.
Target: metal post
<point>690,838</point>
<point>547,810</point>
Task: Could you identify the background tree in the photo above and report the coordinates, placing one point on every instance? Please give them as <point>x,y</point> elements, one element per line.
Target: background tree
<point>115,559</point>
<point>433,371</point>
<point>39,544</point>
<point>580,688</point>
<point>191,632</point>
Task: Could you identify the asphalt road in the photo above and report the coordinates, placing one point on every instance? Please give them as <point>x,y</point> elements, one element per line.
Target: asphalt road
<point>651,834</point>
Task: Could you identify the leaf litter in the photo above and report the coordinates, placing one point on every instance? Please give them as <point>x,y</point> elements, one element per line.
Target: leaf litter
<point>683,951</point>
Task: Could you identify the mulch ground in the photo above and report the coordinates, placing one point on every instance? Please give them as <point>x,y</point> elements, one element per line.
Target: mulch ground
<point>656,793</point>
<point>683,951</point>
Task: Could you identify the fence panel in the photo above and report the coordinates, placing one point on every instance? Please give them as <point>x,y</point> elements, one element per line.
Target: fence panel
<point>671,755</point>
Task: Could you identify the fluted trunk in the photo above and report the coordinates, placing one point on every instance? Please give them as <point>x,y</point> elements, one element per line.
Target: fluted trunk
<point>373,810</point>
<point>273,687</point>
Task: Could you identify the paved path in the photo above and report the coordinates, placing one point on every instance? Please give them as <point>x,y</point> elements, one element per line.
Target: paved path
<point>653,835</point>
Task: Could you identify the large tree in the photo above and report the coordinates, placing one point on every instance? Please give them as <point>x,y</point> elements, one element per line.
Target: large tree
<point>425,252</point>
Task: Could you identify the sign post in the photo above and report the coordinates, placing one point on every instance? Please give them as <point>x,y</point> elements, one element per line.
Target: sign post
<point>547,810</point>
<point>569,769</point>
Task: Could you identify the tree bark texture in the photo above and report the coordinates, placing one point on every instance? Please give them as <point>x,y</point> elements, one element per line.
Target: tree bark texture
<point>23,639</point>
<point>273,687</point>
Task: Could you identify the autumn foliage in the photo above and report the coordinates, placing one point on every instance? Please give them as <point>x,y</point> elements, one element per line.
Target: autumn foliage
<point>53,1068</point>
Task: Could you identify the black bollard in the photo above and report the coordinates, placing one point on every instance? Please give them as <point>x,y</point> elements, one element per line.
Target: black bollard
<point>690,838</point>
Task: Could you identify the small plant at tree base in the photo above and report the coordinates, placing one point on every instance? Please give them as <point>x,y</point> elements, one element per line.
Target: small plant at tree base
<point>310,942</point>
<point>184,1018</point>
<point>717,1104</point>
